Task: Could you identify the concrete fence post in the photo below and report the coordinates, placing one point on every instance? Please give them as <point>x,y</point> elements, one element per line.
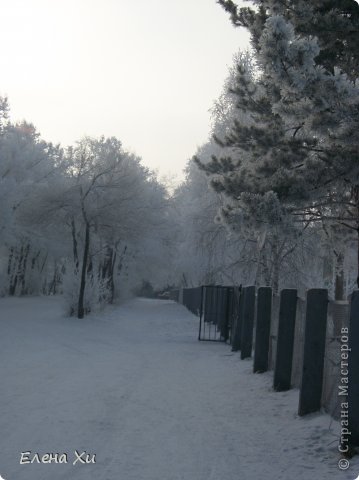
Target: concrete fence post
<point>231,312</point>
<point>209,304</point>
<point>353,374</point>
<point>285,340</point>
<point>225,313</point>
<point>237,323</point>
<point>218,307</point>
<point>248,322</point>
<point>261,350</point>
<point>314,351</point>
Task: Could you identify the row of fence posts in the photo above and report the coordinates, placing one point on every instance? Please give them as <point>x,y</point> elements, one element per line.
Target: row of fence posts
<point>230,313</point>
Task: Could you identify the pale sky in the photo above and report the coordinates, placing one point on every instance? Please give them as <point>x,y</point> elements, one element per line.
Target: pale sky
<point>145,71</point>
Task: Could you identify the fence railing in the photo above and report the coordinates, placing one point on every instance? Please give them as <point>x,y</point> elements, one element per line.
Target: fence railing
<point>311,343</point>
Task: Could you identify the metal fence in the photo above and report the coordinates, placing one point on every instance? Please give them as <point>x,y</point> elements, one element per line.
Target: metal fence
<point>301,340</point>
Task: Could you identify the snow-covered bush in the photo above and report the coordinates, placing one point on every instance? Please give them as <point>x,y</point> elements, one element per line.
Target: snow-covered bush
<point>97,293</point>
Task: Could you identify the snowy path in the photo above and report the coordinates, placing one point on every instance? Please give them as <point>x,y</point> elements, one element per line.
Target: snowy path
<point>134,387</point>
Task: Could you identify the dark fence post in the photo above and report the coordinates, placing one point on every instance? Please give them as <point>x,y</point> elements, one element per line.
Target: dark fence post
<point>199,299</point>
<point>264,308</point>
<point>217,306</point>
<point>285,340</point>
<point>184,297</point>
<point>208,304</point>
<point>314,350</point>
<point>248,322</point>
<point>174,295</point>
<point>353,377</point>
<point>237,324</point>
<point>212,302</point>
<point>224,313</point>
<point>205,308</point>
<point>201,312</point>
<point>230,312</point>
<point>180,296</point>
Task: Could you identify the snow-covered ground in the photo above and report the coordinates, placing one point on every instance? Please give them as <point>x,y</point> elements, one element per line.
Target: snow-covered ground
<point>135,387</point>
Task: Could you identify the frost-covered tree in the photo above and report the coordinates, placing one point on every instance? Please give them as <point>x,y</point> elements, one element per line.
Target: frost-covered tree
<point>334,24</point>
<point>26,164</point>
<point>90,221</point>
<point>206,252</point>
<point>212,251</point>
<point>292,150</point>
<point>106,201</point>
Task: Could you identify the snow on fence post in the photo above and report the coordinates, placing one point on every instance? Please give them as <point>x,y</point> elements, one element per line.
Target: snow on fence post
<point>237,324</point>
<point>353,376</point>
<point>261,350</point>
<point>285,340</point>
<point>314,350</point>
<point>248,321</point>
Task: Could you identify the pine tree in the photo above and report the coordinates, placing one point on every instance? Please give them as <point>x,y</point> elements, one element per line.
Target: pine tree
<point>296,152</point>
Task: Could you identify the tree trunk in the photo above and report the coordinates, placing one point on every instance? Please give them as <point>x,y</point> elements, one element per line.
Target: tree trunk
<point>90,268</point>
<point>23,269</point>
<point>74,245</point>
<point>276,267</point>
<point>112,280</point>
<point>34,259</point>
<point>9,264</point>
<point>122,257</point>
<point>16,272</point>
<point>11,267</point>
<point>107,271</point>
<point>261,268</point>
<point>44,263</point>
<point>355,197</point>
<point>81,309</point>
<point>339,277</point>
<point>55,280</point>
<point>258,275</point>
<point>265,273</point>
